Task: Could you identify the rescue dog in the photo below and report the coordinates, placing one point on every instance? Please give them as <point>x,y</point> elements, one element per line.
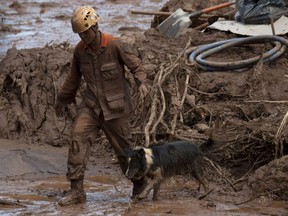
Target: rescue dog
<point>159,161</point>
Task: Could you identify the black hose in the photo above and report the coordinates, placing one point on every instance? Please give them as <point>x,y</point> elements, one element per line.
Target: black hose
<point>198,56</point>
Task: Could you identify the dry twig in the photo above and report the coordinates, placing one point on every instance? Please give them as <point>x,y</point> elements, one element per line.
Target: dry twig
<point>157,90</point>
<point>221,174</point>
<point>277,141</point>
<point>257,196</point>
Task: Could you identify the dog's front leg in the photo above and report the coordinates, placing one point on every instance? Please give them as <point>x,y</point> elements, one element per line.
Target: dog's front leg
<point>156,190</point>
<point>154,183</point>
<point>147,189</point>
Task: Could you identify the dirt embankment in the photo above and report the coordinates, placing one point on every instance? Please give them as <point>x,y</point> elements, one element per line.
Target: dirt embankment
<point>246,107</point>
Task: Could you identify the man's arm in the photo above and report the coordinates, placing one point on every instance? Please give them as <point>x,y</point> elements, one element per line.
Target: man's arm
<point>69,88</point>
<point>134,64</point>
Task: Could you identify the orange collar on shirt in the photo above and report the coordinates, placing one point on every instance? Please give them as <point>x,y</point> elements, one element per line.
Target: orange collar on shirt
<point>105,38</point>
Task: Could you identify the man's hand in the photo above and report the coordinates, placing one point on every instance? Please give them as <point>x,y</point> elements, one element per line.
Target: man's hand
<point>59,109</point>
<point>75,149</point>
<point>143,91</point>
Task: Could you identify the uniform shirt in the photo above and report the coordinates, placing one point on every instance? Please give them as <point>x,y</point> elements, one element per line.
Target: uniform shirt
<point>103,70</point>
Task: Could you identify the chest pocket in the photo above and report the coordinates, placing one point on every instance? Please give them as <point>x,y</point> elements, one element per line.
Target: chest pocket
<point>116,102</point>
<point>110,71</point>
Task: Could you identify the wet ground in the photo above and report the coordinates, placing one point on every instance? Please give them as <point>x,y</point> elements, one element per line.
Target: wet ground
<point>34,179</point>
<point>30,24</point>
<point>110,196</point>
<point>107,195</point>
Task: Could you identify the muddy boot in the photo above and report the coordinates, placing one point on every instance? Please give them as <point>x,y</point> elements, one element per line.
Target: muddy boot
<point>75,195</point>
<point>138,187</point>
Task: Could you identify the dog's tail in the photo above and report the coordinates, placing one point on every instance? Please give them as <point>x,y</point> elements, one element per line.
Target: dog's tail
<point>206,146</point>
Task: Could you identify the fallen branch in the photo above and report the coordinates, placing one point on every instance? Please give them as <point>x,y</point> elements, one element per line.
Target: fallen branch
<point>181,105</point>
<point>220,173</point>
<point>152,111</point>
<point>160,78</point>
<point>255,197</point>
<point>206,194</point>
<point>265,101</point>
<point>153,131</point>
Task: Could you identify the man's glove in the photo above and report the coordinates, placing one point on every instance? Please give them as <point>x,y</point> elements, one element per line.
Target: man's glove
<point>59,109</point>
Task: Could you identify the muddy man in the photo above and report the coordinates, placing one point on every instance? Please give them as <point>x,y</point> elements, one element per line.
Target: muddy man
<point>100,59</point>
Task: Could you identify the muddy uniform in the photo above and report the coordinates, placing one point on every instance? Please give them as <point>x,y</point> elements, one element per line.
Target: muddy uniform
<point>106,104</point>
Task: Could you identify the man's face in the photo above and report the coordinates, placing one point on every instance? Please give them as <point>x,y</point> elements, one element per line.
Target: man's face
<point>87,36</point>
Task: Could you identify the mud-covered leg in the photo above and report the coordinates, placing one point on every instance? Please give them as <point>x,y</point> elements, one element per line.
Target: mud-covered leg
<point>156,190</point>
<point>138,186</point>
<point>118,133</point>
<point>156,179</point>
<point>200,179</point>
<point>198,172</point>
<point>83,133</point>
<point>147,189</point>
<point>203,183</point>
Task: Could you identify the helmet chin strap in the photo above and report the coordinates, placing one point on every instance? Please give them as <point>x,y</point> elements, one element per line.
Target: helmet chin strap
<point>95,28</point>
<point>97,34</point>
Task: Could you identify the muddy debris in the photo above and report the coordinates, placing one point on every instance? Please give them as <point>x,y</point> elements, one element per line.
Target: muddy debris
<point>269,179</point>
<point>248,122</point>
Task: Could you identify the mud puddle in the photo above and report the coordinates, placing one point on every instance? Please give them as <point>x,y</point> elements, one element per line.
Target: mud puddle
<point>107,195</point>
<point>40,197</point>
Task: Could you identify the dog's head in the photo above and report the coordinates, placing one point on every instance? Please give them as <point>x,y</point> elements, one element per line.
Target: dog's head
<point>138,164</point>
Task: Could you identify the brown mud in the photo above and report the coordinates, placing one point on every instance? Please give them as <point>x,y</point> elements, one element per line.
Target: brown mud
<point>247,168</point>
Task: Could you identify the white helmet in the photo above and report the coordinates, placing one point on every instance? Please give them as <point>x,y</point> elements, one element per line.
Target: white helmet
<point>83,18</point>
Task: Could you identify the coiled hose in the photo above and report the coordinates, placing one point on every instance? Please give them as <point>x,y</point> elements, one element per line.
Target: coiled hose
<point>198,56</point>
